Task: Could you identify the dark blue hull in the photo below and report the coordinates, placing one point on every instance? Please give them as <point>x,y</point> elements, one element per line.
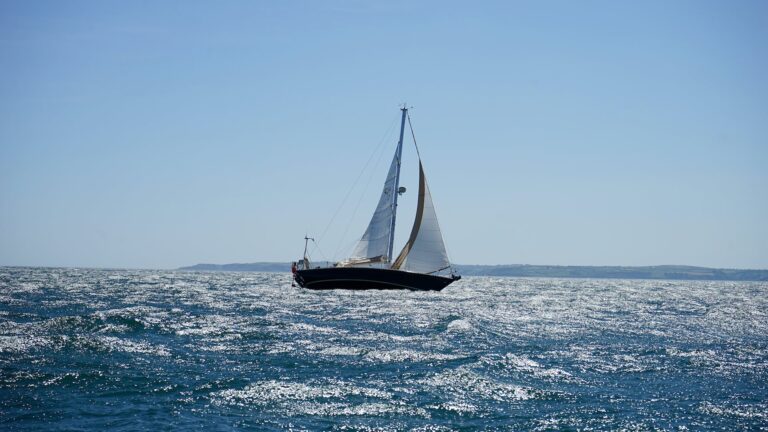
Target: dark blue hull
<point>364,278</point>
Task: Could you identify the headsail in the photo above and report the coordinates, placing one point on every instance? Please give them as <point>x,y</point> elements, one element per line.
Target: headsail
<point>374,245</point>
<point>425,250</point>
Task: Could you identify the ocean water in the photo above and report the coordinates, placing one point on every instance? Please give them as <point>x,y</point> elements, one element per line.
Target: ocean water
<point>166,350</point>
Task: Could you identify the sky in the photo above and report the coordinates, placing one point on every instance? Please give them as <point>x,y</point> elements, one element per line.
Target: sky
<point>163,134</point>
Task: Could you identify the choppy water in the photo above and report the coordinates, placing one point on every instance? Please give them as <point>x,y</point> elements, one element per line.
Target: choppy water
<point>125,350</point>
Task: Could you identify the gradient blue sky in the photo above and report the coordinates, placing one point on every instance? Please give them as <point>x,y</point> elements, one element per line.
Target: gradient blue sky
<point>161,134</point>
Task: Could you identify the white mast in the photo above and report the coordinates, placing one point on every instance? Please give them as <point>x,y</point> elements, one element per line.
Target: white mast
<point>377,243</point>
<point>397,183</point>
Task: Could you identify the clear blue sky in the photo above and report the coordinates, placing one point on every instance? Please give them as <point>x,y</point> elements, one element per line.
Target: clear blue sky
<point>161,134</point>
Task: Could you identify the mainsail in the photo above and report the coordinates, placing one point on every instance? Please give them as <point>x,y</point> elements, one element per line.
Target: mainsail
<point>374,246</point>
<point>425,250</point>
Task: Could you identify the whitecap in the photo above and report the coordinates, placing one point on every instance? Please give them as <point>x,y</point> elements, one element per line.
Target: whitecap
<point>465,383</point>
<point>22,343</point>
<point>123,345</point>
<point>274,391</point>
<point>459,325</point>
<point>402,355</point>
<point>750,411</point>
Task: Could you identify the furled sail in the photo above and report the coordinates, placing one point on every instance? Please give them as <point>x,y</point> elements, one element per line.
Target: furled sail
<point>374,245</point>
<point>425,250</point>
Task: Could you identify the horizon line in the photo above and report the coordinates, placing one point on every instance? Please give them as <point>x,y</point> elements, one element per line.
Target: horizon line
<point>91,267</point>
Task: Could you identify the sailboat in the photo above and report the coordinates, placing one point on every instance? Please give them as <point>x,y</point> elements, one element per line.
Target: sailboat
<point>421,265</point>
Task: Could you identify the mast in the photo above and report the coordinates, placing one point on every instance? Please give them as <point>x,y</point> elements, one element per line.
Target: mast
<point>397,183</point>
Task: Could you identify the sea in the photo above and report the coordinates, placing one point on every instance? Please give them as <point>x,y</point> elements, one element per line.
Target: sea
<point>124,350</point>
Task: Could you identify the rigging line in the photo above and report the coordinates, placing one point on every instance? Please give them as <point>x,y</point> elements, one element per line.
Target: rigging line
<point>448,254</point>
<point>373,153</point>
<point>375,150</point>
<point>347,249</point>
<point>413,135</point>
<point>439,270</point>
<point>447,251</point>
<point>445,243</point>
<point>317,246</point>
<point>357,206</point>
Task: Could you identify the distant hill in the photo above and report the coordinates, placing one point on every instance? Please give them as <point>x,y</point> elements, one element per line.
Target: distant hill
<point>615,272</point>
<point>250,267</point>
<point>524,270</point>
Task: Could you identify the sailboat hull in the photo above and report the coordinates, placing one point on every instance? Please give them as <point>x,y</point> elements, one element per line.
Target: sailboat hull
<point>365,278</point>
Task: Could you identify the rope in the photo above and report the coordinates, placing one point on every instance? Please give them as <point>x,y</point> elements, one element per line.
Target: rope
<point>357,206</point>
<point>346,249</point>
<point>317,246</point>
<point>357,179</point>
<point>410,126</point>
<point>376,150</point>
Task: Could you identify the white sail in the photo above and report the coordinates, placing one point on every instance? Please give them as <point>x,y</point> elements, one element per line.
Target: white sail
<point>374,245</point>
<point>425,250</point>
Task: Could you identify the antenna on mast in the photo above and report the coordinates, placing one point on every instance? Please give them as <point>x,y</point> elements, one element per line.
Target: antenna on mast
<point>306,258</point>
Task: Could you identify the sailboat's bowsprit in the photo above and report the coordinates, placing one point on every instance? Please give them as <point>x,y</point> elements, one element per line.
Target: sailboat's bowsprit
<point>370,266</point>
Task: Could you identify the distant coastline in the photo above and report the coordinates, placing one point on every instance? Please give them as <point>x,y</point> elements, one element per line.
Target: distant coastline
<point>672,272</point>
